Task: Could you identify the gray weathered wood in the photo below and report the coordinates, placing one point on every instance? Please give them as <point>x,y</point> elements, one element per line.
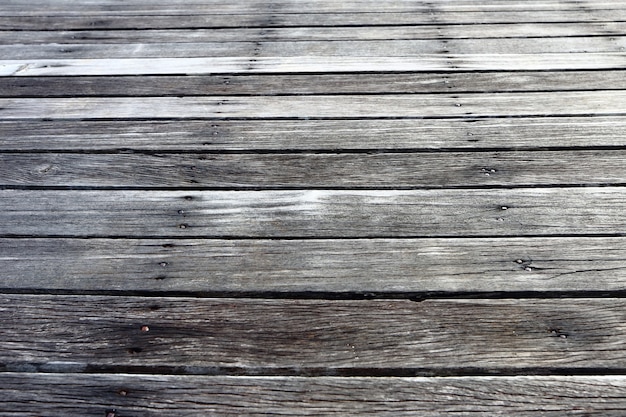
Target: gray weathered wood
<point>359,48</point>
<point>390,170</point>
<point>570,103</point>
<point>434,32</point>
<point>315,64</point>
<point>285,84</point>
<point>224,7</point>
<point>35,20</point>
<point>194,335</point>
<point>360,266</point>
<point>314,213</point>
<point>281,135</point>
<point>28,394</point>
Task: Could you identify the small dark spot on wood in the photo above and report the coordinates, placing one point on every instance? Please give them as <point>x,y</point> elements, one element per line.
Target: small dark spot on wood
<point>160,277</point>
<point>123,392</point>
<point>183,226</point>
<point>181,212</point>
<point>134,350</point>
<point>188,197</point>
<point>168,245</point>
<point>154,307</point>
<point>558,333</point>
<point>417,298</point>
<point>110,413</point>
<point>145,329</point>
<point>163,264</point>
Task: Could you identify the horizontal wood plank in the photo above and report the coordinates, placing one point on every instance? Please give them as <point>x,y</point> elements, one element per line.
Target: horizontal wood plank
<point>314,213</point>
<point>194,335</point>
<point>281,84</point>
<point>10,7</point>
<point>333,135</point>
<point>182,19</point>
<point>434,32</point>
<point>571,103</point>
<point>314,64</point>
<point>389,170</point>
<point>28,394</point>
<point>361,266</point>
<point>339,49</point>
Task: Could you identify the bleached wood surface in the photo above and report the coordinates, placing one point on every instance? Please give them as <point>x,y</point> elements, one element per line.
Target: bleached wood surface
<point>359,207</point>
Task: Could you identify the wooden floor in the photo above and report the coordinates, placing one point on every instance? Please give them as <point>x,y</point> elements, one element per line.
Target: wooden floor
<point>363,207</point>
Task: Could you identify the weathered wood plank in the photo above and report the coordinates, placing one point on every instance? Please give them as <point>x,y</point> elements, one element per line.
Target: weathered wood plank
<point>194,335</point>
<point>356,266</point>
<point>307,64</point>
<point>314,213</point>
<point>184,20</point>
<point>281,135</point>
<point>359,48</point>
<point>225,7</point>
<point>281,84</point>
<point>434,32</point>
<point>570,103</point>
<point>389,170</point>
<point>28,394</point>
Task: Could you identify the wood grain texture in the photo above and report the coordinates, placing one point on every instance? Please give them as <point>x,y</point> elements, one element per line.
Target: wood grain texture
<point>314,213</point>
<point>571,103</point>
<point>434,32</point>
<point>361,266</point>
<point>329,135</point>
<point>338,49</point>
<point>313,64</point>
<point>269,7</point>
<point>389,170</point>
<point>292,84</point>
<point>31,394</point>
<point>35,20</point>
<point>191,335</point>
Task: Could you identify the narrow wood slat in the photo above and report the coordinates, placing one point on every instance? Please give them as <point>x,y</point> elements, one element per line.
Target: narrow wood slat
<point>314,213</point>
<point>434,32</point>
<point>281,135</point>
<point>307,64</point>
<point>430,170</point>
<point>28,394</point>
<point>337,49</point>
<point>191,335</point>
<point>12,8</point>
<point>579,103</point>
<point>281,84</point>
<point>184,20</point>
<point>356,266</point>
